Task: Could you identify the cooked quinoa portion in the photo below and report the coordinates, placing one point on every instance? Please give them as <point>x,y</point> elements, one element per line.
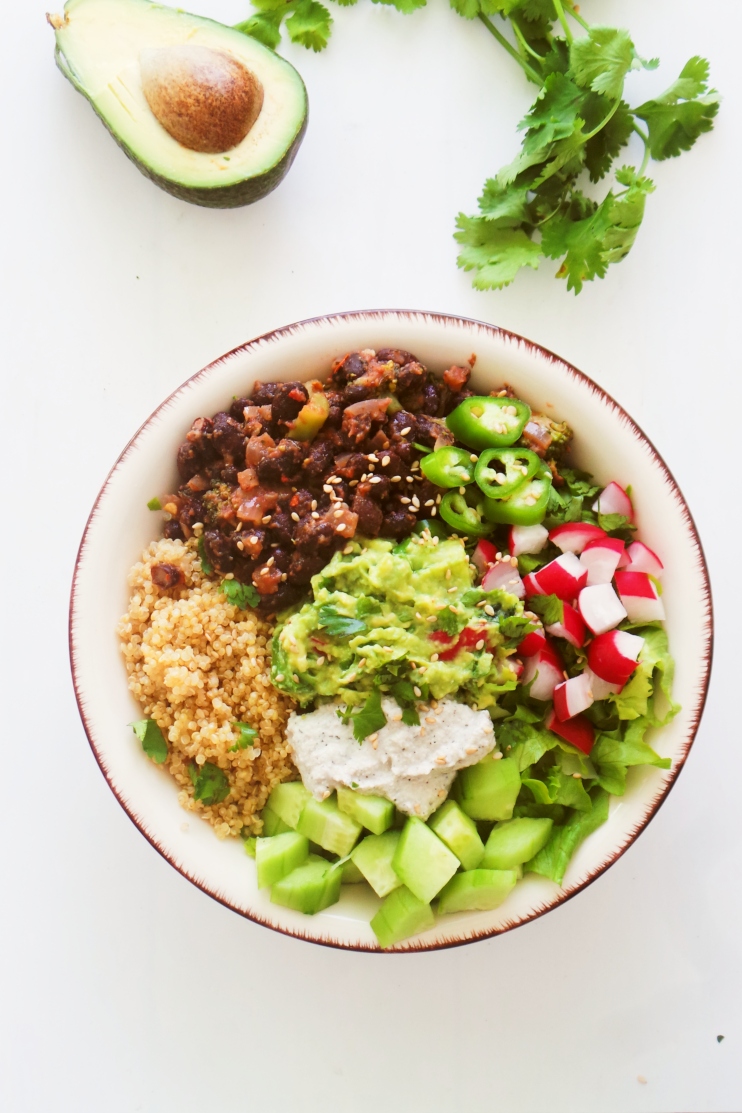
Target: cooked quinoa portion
<point>197,664</point>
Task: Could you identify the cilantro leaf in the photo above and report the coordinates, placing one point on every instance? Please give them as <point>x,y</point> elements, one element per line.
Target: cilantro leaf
<point>239,594</point>
<point>410,717</point>
<point>247,736</point>
<point>497,254</point>
<point>682,113</point>
<point>210,782</point>
<point>403,6</point>
<point>264,26</point>
<point>549,607</point>
<point>601,59</point>
<point>403,692</point>
<point>555,112</point>
<point>206,567</point>
<point>309,24</point>
<point>607,143</point>
<point>615,523</point>
<point>447,621</point>
<point>503,206</point>
<point>369,718</point>
<point>339,625</point>
<point>152,739</point>
<point>154,504</point>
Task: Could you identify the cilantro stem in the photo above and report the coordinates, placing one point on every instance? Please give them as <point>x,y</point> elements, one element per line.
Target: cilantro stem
<point>603,122</point>
<point>563,20</point>
<point>645,140</point>
<point>571,10</point>
<point>528,70</point>
<point>522,40</point>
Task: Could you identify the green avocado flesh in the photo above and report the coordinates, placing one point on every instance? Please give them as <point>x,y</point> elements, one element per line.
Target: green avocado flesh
<point>380,612</point>
<point>99,49</point>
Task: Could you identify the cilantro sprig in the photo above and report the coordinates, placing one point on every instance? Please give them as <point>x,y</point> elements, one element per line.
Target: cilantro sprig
<point>536,207</point>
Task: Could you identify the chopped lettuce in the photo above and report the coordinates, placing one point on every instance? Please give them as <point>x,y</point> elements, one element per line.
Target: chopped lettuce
<point>552,860</point>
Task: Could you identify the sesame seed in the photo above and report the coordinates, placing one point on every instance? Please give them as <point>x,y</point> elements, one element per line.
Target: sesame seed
<point>374,459</point>
<point>430,718</point>
<point>295,516</point>
<point>371,468</point>
<point>337,513</point>
<point>320,661</point>
<point>284,577</point>
<point>480,644</point>
<point>430,502</point>
<point>496,756</point>
<point>375,743</point>
<point>407,429</point>
<point>473,458</point>
<point>386,461</point>
<point>266,519</point>
<point>341,528</point>
<point>410,479</point>
<point>396,479</point>
<point>438,499</point>
<point>417,691</point>
<point>353,483</point>
<point>347,550</point>
<point>433,656</point>
<point>577,776</point>
<point>280,677</point>
<point>422,731</point>
<point>440,760</point>
<point>451,590</point>
<point>488,609</point>
<point>314,504</point>
<point>416,502</point>
<point>296,678</point>
<point>471,749</point>
<point>397,716</point>
<point>405,500</point>
<point>241,546</point>
<point>374,736</point>
<point>431,618</point>
<point>448,573</point>
<point>433,513</point>
<point>375,479</point>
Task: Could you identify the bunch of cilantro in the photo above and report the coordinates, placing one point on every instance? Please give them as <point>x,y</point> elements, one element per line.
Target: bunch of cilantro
<point>535,207</point>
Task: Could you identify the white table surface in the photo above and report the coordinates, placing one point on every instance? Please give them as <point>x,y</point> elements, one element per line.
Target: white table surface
<point>126,989</point>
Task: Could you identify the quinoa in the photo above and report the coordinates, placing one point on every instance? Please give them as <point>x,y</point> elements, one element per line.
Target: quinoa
<point>197,664</point>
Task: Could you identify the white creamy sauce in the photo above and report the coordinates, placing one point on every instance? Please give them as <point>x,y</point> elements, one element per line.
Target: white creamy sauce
<point>412,766</point>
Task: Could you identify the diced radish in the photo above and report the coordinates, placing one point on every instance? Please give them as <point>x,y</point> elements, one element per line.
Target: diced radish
<point>612,656</point>
<point>601,688</point>
<point>574,536</point>
<point>579,731</point>
<point>601,558</point>
<point>530,583</point>
<point>532,643</point>
<point>571,628</point>
<point>484,555</point>
<point>562,577</point>
<point>573,696</point>
<point>642,559</point>
<point>640,597</point>
<point>614,500</point>
<point>517,666</point>
<point>601,608</point>
<point>546,667</point>
<point>527,539</point>
<point>503,575</point>
<point>625,559</point>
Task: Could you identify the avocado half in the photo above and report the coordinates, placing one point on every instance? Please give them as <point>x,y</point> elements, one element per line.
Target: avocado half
<point>110,50</point>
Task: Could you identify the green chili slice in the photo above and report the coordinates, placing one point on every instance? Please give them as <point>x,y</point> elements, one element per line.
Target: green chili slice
<point>464,518</point>
<point>448,467</point>
<point>500,472</point>
<point>483,422</point>
<point>526,507</point>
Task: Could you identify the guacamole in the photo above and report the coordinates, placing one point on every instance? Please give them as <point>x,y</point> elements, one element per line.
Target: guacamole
<point>403,618</point>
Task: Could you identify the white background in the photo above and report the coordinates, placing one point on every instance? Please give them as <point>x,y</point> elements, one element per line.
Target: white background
<point>123,987</point>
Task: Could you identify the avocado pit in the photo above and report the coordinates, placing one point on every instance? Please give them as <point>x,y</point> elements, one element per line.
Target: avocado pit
<point>206,100</point>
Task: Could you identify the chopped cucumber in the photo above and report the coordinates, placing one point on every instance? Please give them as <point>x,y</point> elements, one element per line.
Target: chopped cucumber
<point>350,873</point>
<point>478,890</point>
<point>277,856</point>
<point>250,846</point>
<point>459,833</point>
<point>310,887</point>
<point>489,789</point>
<point>373,857</point>
<point>514,842</point>
<point>287,801</point>
<point>324,823</point>
<point>423,861</point>
<point>372,812</point>
<point>272,824</point>
<point>402,914</point>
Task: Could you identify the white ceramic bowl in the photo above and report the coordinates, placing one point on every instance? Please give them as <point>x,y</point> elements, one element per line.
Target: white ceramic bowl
<point>609,444</point>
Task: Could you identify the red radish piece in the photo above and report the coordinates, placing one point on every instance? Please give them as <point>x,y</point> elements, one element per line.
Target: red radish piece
<point>503,575</point>
<point>640,597</point>
<point>574,536</point>
<point>601,558</point>
<point>469,638</point>
<point>601,688</point>
<point>643,559</point>
<point>517,666</point>
<point>612,656</point>
<point>571,628</point>
<point>530,584</point>
<point>614,500</point>
<point>625,559</point>
<point>601,608</point>
<point>573,696</point>
<point>527,539</point>
<point>562,577</point>
<point>579,731</point>
<point>546,667</point>
<point>532,643</point>
<point>484,555</point>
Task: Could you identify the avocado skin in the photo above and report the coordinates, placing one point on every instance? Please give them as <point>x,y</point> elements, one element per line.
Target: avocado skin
<point>234,196</point>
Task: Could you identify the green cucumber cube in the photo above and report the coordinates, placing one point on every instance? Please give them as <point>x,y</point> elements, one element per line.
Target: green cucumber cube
<point>324,823</point>
<point>287,801</point>
<point>476,890</point>
<point>350,873</point>
<point>250,846</point>
<point>372,812</point>
<point>402,914</point>
<point>459,833</point>
<point>278,855</point>
<point>423,861</point>
<point>310,887</point>
<point>489,789</point>
<point>272,824</point>
<point>514,842</point>
<point>373,857</point>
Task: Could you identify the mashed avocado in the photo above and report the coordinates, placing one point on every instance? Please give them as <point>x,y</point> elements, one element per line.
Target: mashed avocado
<point>401,618</point>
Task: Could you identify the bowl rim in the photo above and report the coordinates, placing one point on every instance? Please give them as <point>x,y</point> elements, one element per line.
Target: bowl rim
<point>538,350</point>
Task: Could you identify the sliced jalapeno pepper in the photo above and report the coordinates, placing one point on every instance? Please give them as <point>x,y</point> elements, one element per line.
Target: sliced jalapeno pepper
<point>526,507</point>
<point>464,518</point>
<point>500,472</point>
<point>448,467</point>
<point>484,422</point>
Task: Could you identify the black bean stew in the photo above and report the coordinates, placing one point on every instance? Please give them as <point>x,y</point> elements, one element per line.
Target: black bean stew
<point>284,478</point>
